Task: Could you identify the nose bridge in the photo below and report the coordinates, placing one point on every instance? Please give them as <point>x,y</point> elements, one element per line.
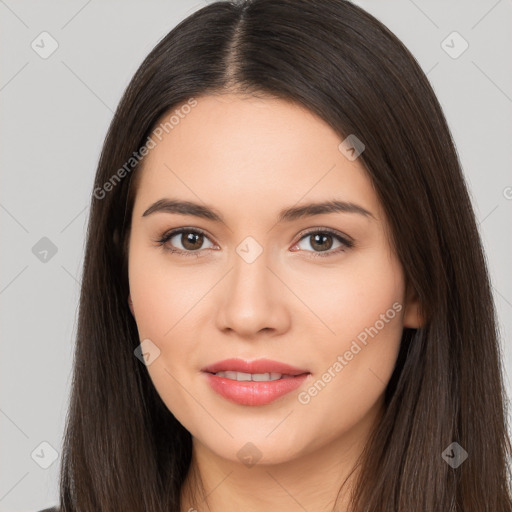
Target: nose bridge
<point>251,300</point>
<point>250,272</point>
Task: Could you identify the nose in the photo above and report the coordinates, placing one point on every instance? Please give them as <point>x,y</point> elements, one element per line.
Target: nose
<point>253,300</point>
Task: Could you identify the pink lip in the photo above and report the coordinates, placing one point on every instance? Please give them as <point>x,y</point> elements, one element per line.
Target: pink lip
<point>257,366</point>
<point>252,392</point>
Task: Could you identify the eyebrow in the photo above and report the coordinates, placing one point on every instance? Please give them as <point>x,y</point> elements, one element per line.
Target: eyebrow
<point>287,215</point>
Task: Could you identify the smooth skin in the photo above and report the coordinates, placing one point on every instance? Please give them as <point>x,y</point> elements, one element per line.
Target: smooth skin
<point>247,158</point>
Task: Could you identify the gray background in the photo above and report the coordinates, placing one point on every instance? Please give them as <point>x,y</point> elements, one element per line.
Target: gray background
<point>54,116</point>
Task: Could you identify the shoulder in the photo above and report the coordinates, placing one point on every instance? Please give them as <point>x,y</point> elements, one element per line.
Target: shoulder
<point>52,509</point>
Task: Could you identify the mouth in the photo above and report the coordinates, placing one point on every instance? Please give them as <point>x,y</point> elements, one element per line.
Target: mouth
<point>253,383</point>
<point>254,377</point>
<point>258,367</point>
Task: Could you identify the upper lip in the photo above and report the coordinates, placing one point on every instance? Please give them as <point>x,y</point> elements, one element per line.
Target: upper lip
<point>256,366</point>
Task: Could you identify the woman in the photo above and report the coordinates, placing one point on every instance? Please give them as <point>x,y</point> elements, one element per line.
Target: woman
<point>284,301</point>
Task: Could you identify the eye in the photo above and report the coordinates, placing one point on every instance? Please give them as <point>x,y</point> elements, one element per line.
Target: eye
<point>191,241</point>
<point>322,240</point>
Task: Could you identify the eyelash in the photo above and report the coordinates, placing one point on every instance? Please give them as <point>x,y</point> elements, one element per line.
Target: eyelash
<point>347,244</point>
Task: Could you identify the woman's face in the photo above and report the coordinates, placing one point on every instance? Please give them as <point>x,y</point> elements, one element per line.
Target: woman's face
<point>321,291</point>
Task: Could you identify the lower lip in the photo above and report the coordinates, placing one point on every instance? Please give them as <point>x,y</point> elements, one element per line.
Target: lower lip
<point>254,393</point>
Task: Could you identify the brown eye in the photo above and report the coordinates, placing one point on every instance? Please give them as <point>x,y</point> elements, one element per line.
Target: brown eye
<point>322,241</point>
<point>184,241</point>
<point>191,241</point>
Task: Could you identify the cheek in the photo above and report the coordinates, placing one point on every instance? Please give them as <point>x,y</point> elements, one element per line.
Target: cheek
<point>352,360</point>
<point>363,310</point>
<point>163,294</point>
<point>164,297</point>
<point>369,307</point>
<point>361,296</point>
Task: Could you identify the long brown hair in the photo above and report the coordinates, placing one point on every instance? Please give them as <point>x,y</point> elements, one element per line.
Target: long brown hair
<point>123,449</point>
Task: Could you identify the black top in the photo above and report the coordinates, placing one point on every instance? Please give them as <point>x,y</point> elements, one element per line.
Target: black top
<point>52,509</point>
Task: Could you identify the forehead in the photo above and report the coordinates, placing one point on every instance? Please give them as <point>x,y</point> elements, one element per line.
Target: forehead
<point>251,152</point>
